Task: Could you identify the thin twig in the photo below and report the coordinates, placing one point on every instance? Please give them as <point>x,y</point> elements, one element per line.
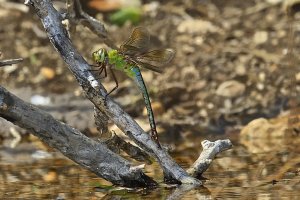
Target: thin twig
<point>10,61</point>
<point>77,15</point>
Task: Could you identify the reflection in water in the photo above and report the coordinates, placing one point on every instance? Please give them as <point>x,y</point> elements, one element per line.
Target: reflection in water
<point>236,174</point>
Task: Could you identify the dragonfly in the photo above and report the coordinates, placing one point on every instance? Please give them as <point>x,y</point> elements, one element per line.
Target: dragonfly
<point>132,55</point>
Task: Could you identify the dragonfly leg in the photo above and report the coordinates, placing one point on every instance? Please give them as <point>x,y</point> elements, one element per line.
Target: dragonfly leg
<point>93,70</point>
<point>154,136</point>
<point>116,81</point>
<point>92,65</point>
<point>101,68</point>
<point>105,71</point>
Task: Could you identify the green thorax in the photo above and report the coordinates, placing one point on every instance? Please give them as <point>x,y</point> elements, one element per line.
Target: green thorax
<point>119,62</point>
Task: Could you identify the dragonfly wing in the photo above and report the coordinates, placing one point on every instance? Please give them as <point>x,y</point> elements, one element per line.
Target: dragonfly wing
<point>150,67</point>
<point>156,58</point>
<point>130,50</point>
<point>137,43</point>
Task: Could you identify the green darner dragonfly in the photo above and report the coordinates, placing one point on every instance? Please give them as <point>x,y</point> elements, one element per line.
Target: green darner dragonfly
<point>134,53</point>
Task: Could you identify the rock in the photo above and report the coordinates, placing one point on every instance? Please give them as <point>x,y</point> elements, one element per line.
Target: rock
<point>231,89</point>
<point>262,135</point>
<point>157,108</point>
<point>240,70</point>
<point>50,176</point>
<point>151,8</point>
<point>47,72</point>
<point>40,100</point>
<point>262,76</point>
<point>262,128</point>
<point>297,76</point>
<point>197,26</point>
<point>274,2</point>
<point>260,37</point>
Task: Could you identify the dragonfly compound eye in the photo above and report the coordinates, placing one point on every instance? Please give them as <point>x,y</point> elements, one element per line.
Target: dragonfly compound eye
<point>99,55</point>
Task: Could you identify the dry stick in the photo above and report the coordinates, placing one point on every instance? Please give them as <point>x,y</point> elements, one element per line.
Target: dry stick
<point>115,143</point>
<point>88,153</point>
<point>58,36</point>
<point>10,61</point>
<point>210,150</point>
<point>77,15</point>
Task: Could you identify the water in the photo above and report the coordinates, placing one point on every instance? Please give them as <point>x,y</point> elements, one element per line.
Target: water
<point>235,174</point>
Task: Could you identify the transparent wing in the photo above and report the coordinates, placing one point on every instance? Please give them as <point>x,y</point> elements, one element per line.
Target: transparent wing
<point>150,67</point>
<point>137,43</point>
<point>157,58</point>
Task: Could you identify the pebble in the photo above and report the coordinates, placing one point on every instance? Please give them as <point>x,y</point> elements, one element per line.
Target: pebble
<point>157,108</point>
<point>240,70</point>
<point>297,76</point>
<point>262,76</point>
<point>40,100</point>
<point>50,177</point>
<point>197,26</point>
<point>260,86</point>
<point>260,37</point>
<point>48,73</point>
<point>231,88</point>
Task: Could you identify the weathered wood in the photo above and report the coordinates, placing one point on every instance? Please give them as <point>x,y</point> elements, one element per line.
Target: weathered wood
<point>210,150</point>
<point>88,153</point>
<point>58,36</point>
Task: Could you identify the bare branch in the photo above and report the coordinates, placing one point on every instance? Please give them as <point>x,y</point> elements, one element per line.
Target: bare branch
<point>90,154</point>
<point>116,144</point>
<point>101,121</point>
<point>210,150</point>
<point>77,15</point>
<point>51,20</point>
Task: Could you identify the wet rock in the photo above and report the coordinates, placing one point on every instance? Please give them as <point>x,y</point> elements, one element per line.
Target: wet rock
<point>262,128</point>
<point>262,135</point>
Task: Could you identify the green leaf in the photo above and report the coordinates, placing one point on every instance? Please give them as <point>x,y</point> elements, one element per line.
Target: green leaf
<point>132,14</point>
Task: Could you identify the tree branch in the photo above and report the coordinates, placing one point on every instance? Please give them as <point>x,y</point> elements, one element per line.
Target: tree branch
<point>58,36</point>
<point>210,150</point>
<point>92,155</point>
<point>77,15</point>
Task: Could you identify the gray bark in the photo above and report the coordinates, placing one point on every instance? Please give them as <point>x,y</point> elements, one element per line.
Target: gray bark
<point>93,155</point>
<point>95,92</point>
<point>210,150</point>
<point>88,153</point>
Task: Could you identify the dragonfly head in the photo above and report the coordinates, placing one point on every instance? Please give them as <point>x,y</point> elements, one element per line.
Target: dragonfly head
<point>100,55</point>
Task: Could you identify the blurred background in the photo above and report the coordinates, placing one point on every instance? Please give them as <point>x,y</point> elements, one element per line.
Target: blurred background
<point>235,75</point>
